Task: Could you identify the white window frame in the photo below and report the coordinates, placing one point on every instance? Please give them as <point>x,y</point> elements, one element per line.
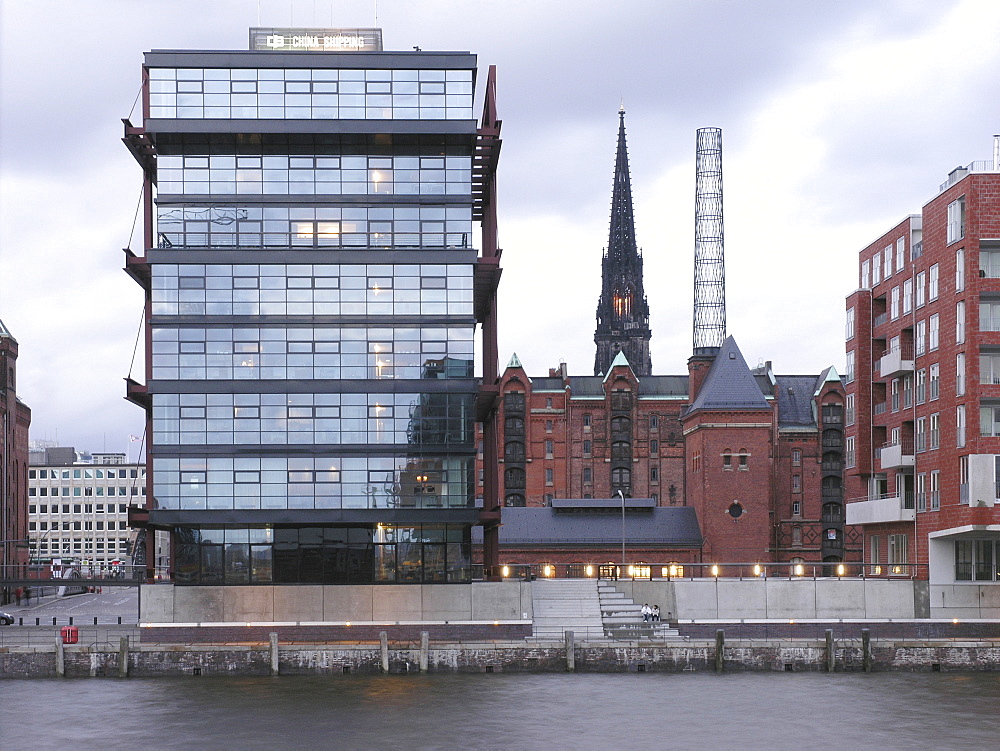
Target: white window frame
<point>934,381</point>
<point>934,431</point>
<point>849,325</point>
<point>887,262</point>
<point>960,322</point>
<point>934,491</point>
<point>960,374</point>
<point>866,274</point>
<point>876,269</point>
<point>907,296</point>
<point>960,269</point>
<point>920,339</point>
<point>956,220</point>
<point>921,289</point>
<point>900,254</point>
<point>933,276</point>
<point>894,303</point>
<point>960,426</point>
<point>934,332</point>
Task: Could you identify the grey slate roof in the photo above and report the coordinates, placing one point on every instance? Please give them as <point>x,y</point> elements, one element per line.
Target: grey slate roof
<point>795,401</point>
<point>670,526</point>
<point>729,383</point>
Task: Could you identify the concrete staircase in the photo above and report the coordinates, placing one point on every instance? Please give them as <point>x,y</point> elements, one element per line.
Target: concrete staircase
<point>561,605</point>
<point>622,618</point>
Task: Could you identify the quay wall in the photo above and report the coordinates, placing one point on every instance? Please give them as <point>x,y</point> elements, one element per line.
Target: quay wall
<point>479,601</point>
<point>497,657</point>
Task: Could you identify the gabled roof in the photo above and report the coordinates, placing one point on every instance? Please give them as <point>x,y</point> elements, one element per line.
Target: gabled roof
<point>620,360</point>
<point>515,362</point>
<point>795,401</point>
<point>5,332</point>
<point>729,383</point>
<point>829,375</point>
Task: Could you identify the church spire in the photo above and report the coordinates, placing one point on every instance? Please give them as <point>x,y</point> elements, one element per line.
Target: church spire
<point>622,311</point>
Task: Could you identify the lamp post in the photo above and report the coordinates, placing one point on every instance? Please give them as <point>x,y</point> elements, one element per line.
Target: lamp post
<point>622,496</point>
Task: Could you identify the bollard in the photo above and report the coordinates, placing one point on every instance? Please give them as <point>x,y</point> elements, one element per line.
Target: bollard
<point>71,620</point>
<point>37,622</point>
<point>60,658</point>
<point>831,652</point>
<point>383,638</point>
<point>570,653</point>
<point>95,620</point>
<point>53,620</point>
<point>119,620</point>
<point>720,648</point>
<point>424,650</point>
<point>273,636</point>
<point>122,657</point>
<point>20,621</point>
<point>866,650</point>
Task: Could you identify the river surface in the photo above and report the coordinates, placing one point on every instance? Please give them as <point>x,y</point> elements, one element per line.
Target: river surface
<point>506,711</point>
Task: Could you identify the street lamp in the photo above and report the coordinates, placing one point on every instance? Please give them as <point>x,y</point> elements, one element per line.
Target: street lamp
<point>622,496</point>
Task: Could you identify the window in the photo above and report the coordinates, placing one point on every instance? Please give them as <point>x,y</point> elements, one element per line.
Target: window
<point>921,288</point>
<point>588,475</point>
<point>654,422</point>
<point>866,274</point>
<point>744,460</point>
<point>935,381</point>
<point>548,403</point>
<point>876,269</point>
<point>548,449</point>
<point>849,326</point>
<point>548,477</point>
<point>921,492</point>
<point>849,368</point>
<point>934,494</point>
<point>887,262</point>
<point>727,459</point>
<point>989,315</point>
<point>960,322</point>
<point>849,410</point>
<point>796,457</point>
<point>960,426</point>
<point>621,424</point>
<point>621,477</point>
<point>796,483</point>
<point>935,332</point>
<point>654,474</point>
<point>977,560</point>
<point>907,392</point>
<point>920,339</point>
<point>932,282</point>
<point>989,262</point>
<point>934,434</point>
<point>621,451</point>
<point>894,394</point>
<point>920,434</point>
<point>989,367</point>
<point>654,447</point>
<point>894,303</point>
<point>907,296</point>
<point>956,220</point>
<point>989,420</point>
<point>897,554</point>
<point>921,381</point>
<point>873,554</point>
<point>960,269</point>
<point>587,448</point>
<point>960,374</point>
<point>900,254</point>
<point>548,426</point>
<point>796,508</point>
<point>586,422</point>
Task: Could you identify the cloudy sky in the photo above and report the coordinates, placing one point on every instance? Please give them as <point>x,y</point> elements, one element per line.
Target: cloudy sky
<point>839,119</point>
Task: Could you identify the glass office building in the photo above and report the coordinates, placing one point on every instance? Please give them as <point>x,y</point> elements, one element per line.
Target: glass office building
<point>313,294</point>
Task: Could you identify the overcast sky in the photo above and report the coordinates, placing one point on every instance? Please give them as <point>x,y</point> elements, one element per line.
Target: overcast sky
<point>838,118</point>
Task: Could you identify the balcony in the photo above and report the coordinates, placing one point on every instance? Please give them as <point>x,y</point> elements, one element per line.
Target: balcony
<point>896,361</point>
<point>896,455</point>
<point>882,510</point>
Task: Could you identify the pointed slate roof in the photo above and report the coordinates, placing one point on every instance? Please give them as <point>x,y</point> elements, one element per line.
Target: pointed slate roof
<point>729,383</point>
<point>620,359</point>
<point>515,362</point>
<point>4,331</point>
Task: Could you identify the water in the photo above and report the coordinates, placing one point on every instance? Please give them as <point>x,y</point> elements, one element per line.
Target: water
<point>506,711</point>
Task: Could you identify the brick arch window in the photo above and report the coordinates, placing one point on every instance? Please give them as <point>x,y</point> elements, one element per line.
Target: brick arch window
<point>727,459</point>
<point>513,477</point>
<point>621,451</point>
<point>514,425</point>
<point>621,400</point>
<point>621,424</point>
<point>513,401</point>
<point>621,477</point>
<point>514,499</point>
<point>744,459</point>
<point>513,451</point>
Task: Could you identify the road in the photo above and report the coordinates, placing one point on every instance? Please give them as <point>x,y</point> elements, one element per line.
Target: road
<point>106,606</point>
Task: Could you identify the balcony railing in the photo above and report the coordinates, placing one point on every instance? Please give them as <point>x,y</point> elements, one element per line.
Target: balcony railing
<point>880,319</point>
<point>890,507</point>
<point>896,454</point>
<point>705,571</point>
<point>881,408</point>
<point>896,360</point>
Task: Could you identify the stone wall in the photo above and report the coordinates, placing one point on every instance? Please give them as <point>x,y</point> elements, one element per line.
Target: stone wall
<point>296,603</point>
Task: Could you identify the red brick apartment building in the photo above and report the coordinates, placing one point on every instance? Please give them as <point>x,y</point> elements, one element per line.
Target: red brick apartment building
<point>923,392</point>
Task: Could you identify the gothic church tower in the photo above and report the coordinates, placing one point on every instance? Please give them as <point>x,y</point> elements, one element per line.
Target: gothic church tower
<point>622,311</point>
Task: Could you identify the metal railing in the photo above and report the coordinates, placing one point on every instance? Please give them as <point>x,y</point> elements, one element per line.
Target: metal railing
<point>674,571</point>
<point>75,576</point>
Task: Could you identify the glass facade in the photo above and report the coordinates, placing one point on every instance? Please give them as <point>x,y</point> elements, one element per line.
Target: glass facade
<point>312,322</point>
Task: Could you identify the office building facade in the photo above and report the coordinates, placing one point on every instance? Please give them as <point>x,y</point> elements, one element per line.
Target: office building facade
<point>923,404</point>
<point>313,296</point>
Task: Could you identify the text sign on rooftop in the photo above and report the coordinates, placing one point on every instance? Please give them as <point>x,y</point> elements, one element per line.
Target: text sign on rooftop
<point>316,40</point>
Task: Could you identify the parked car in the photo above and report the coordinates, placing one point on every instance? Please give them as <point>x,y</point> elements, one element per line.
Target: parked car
<point>6,619</point>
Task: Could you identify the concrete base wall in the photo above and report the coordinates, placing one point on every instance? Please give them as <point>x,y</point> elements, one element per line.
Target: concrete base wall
<point>735,599</point>
<point>479,601</point>
<point>964,601</point>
